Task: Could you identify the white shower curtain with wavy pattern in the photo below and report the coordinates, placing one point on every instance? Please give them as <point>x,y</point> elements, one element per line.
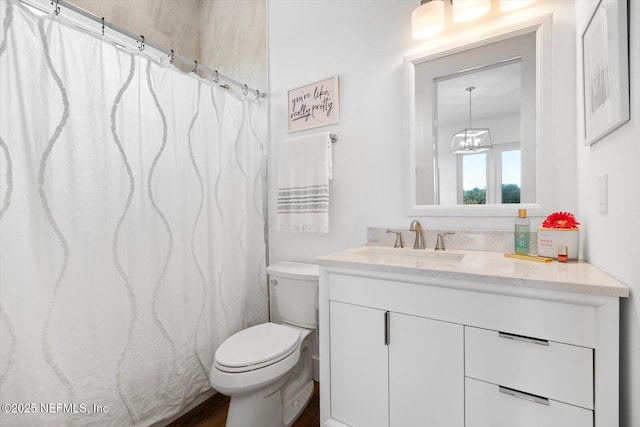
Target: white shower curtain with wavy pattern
<point>131,228</point>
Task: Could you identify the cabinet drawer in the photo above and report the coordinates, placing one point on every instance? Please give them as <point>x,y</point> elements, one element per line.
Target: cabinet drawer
<point>556,371</point>
<point>487,405</point>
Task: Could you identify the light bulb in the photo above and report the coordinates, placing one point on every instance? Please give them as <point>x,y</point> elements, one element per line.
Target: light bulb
<point>427,20</point>
<point>509,5</point>
<point>468,10</point>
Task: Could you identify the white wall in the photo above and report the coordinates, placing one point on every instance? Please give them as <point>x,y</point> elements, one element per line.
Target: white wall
<point>311,40</point>
<point>611,240</point>
<point>364,42</point>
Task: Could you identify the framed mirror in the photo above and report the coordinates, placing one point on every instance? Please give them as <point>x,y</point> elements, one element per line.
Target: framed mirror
<point>478,124</point>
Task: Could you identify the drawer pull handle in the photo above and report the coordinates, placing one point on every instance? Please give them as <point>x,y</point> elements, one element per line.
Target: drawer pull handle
<point>523,338</point>
<point>522,395</point>
<point>386,327</point>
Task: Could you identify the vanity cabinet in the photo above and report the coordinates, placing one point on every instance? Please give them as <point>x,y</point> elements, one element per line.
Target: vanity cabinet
<point>517,381</point>
<point>407,348</point>
<point>391,369</point>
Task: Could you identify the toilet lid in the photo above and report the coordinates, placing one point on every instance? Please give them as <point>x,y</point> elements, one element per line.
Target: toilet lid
<point>256,346</point>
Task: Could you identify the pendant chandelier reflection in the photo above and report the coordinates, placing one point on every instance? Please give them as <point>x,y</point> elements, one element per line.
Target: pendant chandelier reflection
<point>471,140</point>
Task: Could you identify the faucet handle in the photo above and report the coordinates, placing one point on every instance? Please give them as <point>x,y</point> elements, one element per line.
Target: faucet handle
<point>399,243</point>
<point>440,241</point>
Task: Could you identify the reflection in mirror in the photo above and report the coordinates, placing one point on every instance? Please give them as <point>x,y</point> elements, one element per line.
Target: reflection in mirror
<point>495,175</point>
<point>504,100</point>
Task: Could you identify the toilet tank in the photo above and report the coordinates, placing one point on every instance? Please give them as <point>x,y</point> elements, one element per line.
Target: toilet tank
<point>293,288</point>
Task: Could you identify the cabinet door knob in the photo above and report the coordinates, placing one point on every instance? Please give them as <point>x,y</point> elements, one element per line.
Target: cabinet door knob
<point>273,282</point>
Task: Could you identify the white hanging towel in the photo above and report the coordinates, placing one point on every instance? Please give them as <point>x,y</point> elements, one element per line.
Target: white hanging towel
<point>303,184</point>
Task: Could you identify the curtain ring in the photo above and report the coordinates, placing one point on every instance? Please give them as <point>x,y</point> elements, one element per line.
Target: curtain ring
<point>141,47</point>
<point>103,26</point>
<point>172,57</point>
<point>56,9</point>
<point>195,67</point>
<point>245,90</point>
<point>257,95</point>
<point>216,77</point>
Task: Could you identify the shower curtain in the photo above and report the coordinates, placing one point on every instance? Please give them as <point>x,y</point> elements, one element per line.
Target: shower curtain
<point>131,227</point>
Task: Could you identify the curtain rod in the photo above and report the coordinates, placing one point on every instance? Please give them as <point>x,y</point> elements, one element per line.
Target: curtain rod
<point>143,42</point>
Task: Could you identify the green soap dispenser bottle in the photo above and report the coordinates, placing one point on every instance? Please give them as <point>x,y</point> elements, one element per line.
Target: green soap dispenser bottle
<point>521,234</point>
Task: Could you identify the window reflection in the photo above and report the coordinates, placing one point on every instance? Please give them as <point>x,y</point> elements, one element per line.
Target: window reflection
<point>511,172</point>
<point>474,179</point>
<point>478,187</point>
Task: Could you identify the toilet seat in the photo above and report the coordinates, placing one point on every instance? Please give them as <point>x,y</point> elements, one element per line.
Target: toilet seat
<point>256,347</point>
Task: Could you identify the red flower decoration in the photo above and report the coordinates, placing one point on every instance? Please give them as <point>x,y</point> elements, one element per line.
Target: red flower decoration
<point>560,220</point>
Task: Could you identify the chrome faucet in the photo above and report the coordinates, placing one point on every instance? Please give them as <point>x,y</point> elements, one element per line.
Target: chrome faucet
<point>440,241</point>
<point>419,242</point>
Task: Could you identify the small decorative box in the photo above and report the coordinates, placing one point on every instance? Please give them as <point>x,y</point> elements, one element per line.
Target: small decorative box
<point>550,238</point>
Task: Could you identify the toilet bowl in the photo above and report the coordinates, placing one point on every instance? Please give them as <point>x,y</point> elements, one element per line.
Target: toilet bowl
<point>267,369</point>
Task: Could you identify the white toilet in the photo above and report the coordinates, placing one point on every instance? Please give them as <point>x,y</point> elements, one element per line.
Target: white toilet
<point>267,369</point>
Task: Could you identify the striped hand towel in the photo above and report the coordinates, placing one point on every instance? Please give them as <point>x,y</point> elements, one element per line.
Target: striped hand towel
<point>303,184</point>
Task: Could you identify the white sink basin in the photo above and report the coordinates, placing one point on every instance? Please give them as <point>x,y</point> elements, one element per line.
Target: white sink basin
<point>380,252</point>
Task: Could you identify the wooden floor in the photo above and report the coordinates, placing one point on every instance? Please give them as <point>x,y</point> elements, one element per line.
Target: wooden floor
<point>213,413</point>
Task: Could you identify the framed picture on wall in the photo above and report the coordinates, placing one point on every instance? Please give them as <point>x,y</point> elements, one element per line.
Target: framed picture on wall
<point>313,105</point>
<point>605,67</point>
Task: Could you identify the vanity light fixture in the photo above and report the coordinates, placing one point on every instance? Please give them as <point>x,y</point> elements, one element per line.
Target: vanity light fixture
<point>471,140</point>
<point>427,20</point>
<point>468,10</point>
<point>509,5</point>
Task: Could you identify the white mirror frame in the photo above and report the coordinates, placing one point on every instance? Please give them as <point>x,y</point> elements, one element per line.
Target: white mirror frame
<point>541,25</point>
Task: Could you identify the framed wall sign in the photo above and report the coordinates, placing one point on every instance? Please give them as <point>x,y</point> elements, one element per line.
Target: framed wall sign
<point>313,105</point>
<point>605,66</point>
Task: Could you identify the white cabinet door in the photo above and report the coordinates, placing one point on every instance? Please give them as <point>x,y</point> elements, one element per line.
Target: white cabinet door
<point>359,365</point>
<point>426,372</point>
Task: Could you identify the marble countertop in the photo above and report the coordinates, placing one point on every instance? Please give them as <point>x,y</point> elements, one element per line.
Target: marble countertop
<point>482,266</point>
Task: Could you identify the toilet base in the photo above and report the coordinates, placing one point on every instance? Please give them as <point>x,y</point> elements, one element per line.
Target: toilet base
<point>292,408</point>
<point>259,408</point>
<point>267,409</point>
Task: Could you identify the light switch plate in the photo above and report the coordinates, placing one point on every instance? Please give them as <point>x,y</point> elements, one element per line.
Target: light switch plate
<point>603,193</point>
